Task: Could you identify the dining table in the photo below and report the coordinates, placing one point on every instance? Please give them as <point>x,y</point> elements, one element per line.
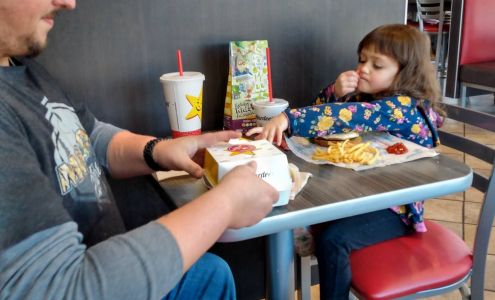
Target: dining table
<point>332,193</point>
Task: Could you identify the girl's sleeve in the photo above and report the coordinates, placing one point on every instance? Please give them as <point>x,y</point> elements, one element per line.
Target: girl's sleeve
<point>391,114</point>
<point>326,95</point>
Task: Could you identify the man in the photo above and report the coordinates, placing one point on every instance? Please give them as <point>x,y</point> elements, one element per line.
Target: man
<point>58,224</point>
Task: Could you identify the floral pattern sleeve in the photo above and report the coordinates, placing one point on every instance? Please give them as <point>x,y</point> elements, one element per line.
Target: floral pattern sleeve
<point>326,95</point>
<point>397,114</point>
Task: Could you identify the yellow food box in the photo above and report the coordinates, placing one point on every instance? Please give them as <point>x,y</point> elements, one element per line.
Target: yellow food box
<point>272,165</point>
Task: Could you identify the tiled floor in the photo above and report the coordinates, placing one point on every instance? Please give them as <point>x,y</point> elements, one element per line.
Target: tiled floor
<point>459,212</point>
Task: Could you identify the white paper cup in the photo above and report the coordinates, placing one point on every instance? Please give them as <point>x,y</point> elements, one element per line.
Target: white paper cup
<point>265,110</point>
<point>184,99</point>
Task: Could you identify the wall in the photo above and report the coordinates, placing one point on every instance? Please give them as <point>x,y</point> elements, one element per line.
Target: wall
<point>111,53</point>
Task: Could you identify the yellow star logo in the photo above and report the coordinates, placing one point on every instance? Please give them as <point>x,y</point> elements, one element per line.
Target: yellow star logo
<point>196,103</point>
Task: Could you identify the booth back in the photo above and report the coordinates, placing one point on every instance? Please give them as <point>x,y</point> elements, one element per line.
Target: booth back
<point>471,42</point>
<point>478,32</point>
<point>111,54</point>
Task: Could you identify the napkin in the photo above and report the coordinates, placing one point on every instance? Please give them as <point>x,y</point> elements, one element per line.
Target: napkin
<point>299,180</point>
<point>303,239</point>
<point>162,175</point>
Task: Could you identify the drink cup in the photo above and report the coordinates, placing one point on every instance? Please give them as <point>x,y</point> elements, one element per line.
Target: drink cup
<point>265,110</point>
<point>184,99</point>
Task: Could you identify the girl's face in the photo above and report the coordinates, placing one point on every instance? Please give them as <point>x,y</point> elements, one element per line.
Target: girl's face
<point>376,71</point>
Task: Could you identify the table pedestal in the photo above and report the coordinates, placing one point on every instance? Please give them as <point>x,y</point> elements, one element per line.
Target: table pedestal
<point>280,266</point>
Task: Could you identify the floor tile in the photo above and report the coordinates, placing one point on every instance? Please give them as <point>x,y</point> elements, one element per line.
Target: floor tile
<point>454,226</point>
<point>443,210</point>
<point>476,163</point>
<point>454,295</point>
<point>469,234</point>
<point>489,295</point>
<point>471,212</point>
<point>470,129</point>
<point>490,273</point>
<point>483,172</point>
<point>444,149</point>
<point>474,195</point>
<point>458,157</point>
<point>315,292</point>
<point>453,126</point>
<point>456,196</point>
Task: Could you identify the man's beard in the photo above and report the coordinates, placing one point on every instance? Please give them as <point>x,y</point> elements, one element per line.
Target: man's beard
<point>34,47</point>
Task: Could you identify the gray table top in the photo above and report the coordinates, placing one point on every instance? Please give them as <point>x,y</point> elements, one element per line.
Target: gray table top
<point>335,192</point>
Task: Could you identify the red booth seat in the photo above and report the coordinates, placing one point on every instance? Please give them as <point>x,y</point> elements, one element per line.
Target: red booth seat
<point>427,260</point>
<point>478,32</point>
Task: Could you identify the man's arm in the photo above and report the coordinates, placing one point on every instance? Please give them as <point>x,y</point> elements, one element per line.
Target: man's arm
<point>142,264</point>
<point>125,155</point>
<point>241,199</point>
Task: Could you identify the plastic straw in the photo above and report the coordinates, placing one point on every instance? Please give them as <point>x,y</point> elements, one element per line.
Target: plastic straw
<point>269,74</point>
<point>179,62</point>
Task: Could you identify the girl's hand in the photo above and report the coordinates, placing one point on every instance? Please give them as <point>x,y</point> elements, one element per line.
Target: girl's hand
<point>273,130</point>
<point>346,83</point>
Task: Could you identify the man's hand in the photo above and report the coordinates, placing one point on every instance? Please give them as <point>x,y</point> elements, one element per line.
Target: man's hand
<point>273,130</point>
<point>240,199</point>
<point>187,153</point>
<point>346,83</point>
<point>250,198</point>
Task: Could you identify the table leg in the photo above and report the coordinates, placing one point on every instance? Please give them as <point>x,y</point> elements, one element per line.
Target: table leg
<point>280,266</point>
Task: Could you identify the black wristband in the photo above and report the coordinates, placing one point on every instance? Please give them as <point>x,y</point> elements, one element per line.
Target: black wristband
<point>148,154</point>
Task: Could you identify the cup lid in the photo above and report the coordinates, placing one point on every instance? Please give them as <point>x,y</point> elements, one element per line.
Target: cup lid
<point>277,102</point>
<point>175,76</point>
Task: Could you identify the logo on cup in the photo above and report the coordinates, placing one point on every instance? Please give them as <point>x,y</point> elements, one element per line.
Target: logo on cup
<point>184,99</point>
<point>196,103</point>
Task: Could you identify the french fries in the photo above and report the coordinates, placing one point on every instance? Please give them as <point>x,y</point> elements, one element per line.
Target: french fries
<point>348,152</point>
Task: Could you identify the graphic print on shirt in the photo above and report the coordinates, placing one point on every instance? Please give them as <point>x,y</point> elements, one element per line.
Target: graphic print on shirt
<point>77,170</point>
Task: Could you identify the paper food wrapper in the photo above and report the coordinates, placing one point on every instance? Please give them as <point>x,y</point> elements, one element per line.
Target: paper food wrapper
<point>272,165</point>
<point>380,140</point>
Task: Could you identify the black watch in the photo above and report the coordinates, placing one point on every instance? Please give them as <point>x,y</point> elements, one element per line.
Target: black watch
<point>148,155</point>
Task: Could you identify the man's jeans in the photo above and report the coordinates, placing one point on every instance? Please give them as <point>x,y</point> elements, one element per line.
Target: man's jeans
<point>209,278</point>
<point>335,243</point>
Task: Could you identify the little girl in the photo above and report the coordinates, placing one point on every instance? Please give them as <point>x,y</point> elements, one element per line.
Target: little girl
<point>393,89</point>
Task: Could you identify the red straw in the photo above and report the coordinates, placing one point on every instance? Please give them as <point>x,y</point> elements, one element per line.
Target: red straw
<point>269,74</point>
<point>179,62</point>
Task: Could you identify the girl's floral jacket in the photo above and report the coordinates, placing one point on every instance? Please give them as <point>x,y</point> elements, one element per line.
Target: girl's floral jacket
<point>401,115</point>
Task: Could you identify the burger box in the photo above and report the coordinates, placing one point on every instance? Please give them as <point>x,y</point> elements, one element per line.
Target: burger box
<point>272,165</point>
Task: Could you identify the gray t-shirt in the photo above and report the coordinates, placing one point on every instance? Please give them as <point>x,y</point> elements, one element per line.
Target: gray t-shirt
<point>55,203</point>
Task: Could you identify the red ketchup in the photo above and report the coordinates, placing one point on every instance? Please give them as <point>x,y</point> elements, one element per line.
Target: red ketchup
<point>397,148</point>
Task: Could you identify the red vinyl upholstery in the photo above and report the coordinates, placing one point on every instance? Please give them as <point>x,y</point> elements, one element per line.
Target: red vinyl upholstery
<point>409,264</point>
<point>478,32</point>
<point>428,27</point>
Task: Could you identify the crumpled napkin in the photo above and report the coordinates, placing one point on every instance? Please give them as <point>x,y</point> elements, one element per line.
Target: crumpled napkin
<point>303,239</point>
<point>299,180</point>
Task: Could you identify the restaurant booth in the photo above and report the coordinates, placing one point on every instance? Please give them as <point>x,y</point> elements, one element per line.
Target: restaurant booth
<point>110,54</point>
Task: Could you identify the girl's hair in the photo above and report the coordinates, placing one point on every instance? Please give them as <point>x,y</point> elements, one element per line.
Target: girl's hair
<point>411,49</point>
